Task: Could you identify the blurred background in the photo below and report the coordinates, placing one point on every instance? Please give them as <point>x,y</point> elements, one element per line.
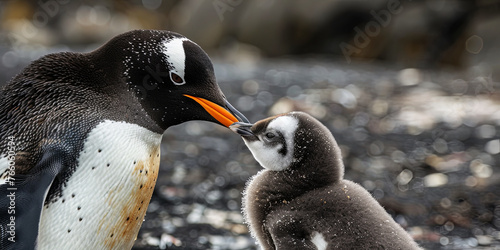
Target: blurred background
<point>409,89</point>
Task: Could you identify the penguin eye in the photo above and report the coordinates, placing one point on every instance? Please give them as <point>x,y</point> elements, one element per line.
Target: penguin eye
<point>270,135</point>
<point>177,79</point>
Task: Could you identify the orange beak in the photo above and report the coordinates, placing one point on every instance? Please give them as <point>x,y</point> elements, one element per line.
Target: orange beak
<point>216,111</point>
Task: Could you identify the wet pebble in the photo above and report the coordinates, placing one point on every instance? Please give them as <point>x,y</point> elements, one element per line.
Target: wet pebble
<point>435,180</point>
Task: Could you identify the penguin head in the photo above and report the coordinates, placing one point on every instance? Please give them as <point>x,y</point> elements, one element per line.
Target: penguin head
<point>271,140</point>
<point>292,141</point>
<point>171,77</point>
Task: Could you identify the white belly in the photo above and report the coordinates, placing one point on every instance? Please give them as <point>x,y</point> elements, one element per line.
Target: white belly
<point>105,200</point>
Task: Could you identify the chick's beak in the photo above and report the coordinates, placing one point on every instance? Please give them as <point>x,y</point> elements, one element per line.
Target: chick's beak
<point>243,129</point>
<point>221,114</point>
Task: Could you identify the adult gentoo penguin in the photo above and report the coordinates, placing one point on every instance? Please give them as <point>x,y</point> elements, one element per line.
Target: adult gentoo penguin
<point>301,201</point>
<point>80,137</point>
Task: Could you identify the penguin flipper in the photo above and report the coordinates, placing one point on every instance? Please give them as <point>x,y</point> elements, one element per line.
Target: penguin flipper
<point>22,198</point>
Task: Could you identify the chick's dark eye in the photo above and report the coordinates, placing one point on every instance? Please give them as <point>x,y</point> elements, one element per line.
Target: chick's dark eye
<point>176,78</point>
<point>270,135</point>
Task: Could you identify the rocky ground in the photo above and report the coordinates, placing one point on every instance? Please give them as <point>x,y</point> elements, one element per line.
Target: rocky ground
<point>425,144</point>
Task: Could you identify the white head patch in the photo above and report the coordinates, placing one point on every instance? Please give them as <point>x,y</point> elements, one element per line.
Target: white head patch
<point>176,58</point>
<point>269,157</point>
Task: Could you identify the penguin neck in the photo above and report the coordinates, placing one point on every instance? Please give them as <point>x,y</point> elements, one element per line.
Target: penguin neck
<point>286,185</point>
<point>317,157</point>
<point>317,167</point>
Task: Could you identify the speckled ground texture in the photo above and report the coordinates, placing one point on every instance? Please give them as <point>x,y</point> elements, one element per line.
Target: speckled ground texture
<point>425,144</point>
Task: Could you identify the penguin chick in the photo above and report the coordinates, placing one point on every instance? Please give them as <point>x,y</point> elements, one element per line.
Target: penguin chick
<point>300,200</point>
